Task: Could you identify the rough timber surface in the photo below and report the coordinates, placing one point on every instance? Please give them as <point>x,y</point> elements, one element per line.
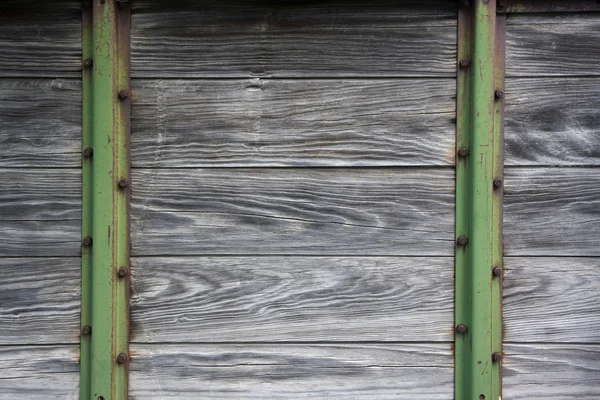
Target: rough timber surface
<point>299,39</point>
<point>553,45</point>
<point>39,372</point>
<point>551,212</point>
<point>39,300</point>
<point>286,371</point>
<point>293,211</point>
<point>551,299</point>
<point>40,39</point>
<point>551,371</point>
<point>263,122</point>
<point>552,121</point>
<point>259,299</point>
<point>41,123</point>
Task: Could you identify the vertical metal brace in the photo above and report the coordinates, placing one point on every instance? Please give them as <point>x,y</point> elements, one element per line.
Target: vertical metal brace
<point>479,177</point>
<point>105,216</point>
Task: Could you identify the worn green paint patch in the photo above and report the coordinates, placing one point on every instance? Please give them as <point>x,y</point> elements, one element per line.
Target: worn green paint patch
<point>105,310</point>
<point>478,204</point>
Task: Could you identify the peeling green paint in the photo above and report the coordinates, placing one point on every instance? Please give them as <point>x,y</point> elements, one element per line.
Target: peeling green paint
<point>105,203</point>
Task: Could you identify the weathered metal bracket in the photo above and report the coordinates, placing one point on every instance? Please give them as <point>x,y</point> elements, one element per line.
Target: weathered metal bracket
<point>105,218</point>
<point>479,183</point>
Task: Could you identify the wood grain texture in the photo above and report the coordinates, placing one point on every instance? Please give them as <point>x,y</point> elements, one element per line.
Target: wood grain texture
<point>228,299</point>
<point>39,372</point>
<point>299,39</point>
<point>552,121</point>
<point>40,212</point>
<point>41,39</point>
<point>292,372</point>
<point>551,212</point>
<point>293,211</point>
<point>553,45</point>
<point>293,123</point>
<point>40,122</point>
<point>551,371</point>
<point>552,299</point>
<point>39,300</point>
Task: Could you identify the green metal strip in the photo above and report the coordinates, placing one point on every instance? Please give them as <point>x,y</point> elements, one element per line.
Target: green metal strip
<point>105,227</point>
<point>479,164</point>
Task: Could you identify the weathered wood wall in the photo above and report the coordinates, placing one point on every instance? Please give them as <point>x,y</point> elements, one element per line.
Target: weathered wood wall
<point>552,203</point>
<point>293,203</point>
<point>40,198</point>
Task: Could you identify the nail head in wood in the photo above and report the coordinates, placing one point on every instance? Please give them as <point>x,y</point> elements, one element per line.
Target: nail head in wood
<point>86,330</point>
<point>123,272</point>
<point>123,94</point>
<point>464,63</point>
<point>123,183</point>
<point>499,93</point>
<point>497,272</point>
<point>497,183</point>
<point>463,152</point>
<point>462,329</point>
<point>88,63</point>
<point>496,357</point>
<point>462,240</point>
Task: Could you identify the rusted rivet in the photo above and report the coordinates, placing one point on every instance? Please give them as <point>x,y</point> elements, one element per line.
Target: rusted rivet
<point>123,272</point>
<point>122,358</point>
<point>123,94</point>
<point>88,152</point>
<point>462,240</point>
<point>123,183</point>
<point>497,272</point>
<point>463,151</point>
<point>87,241</point>
<point>461,329</point>
<point>86,330</point>
<point>88,62</point>
<point>497,183</point>
<point>496,357</point>
<point>499,93</point>
<point>464,63</point>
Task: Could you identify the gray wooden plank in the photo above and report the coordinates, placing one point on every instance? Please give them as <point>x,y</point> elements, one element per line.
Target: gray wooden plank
<point>292,372</point>
<point>552,121</point>
<point>40,38</point>
<point>40,194</point>
<point>39,300</point>
<point>41,123</point>
<point>39,372</point>
<point>240,38</point>
<point>551,371</point>
<point>259,299</point>
<point>260,122</point>
<point>551,212</point>
<point>51,238</point>
<point>551,299</point>
<point>293,211</point>
<point>40,212</point>
<point>552,45</point>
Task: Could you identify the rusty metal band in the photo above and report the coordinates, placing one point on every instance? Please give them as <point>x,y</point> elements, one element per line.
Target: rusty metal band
<point>479,185</point>
<point>105,191</point>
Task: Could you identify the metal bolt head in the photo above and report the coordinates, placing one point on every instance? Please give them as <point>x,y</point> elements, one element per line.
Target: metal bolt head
<point>464,63</point>
<point>496,357</point>
<point>88,152</point>
<point>497,272</point>
<point>123,183</point>
<point>86,330</point>
<point>87,241</point>
<point>88,62</point>
<point>463,151</point>
<point>123,272</point>
<point>123,94</point>
<point>462,240</point>
<point>461,329</point>
<point>497,183</point>
<point>499,93</point>
<point>122,358</point>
